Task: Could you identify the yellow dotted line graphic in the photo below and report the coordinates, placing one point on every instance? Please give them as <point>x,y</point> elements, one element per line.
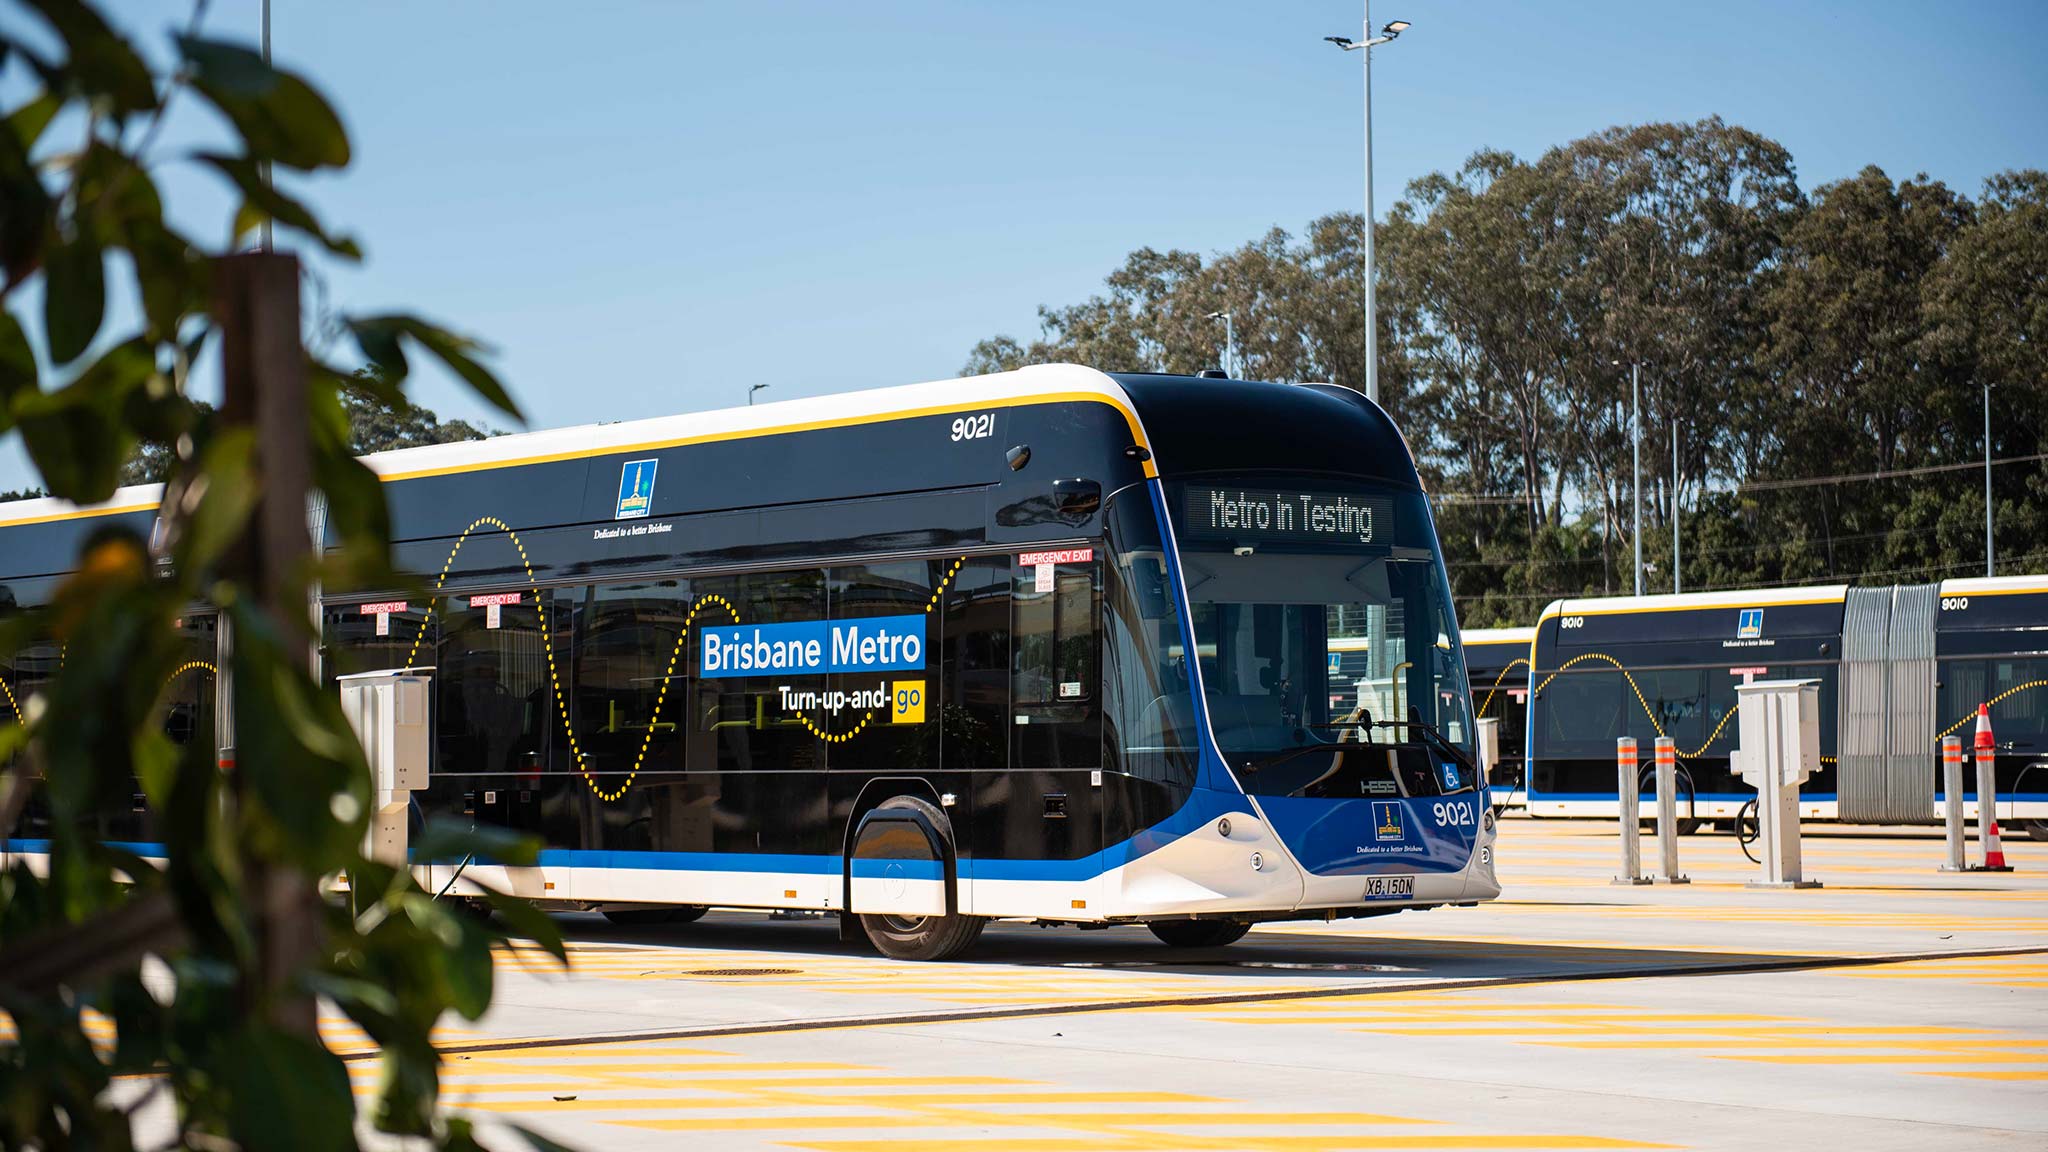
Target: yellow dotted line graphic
<point>840,737</point>
<point>668,676</point>
<point>1519,662</point>
<point>939,591</point>
<point>1994,702</point>
<point>11,701</point>
<point>188,666</point>
<point>1640,699</point>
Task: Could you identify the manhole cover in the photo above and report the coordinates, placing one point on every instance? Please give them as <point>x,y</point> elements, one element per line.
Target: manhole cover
<point>743,972</point>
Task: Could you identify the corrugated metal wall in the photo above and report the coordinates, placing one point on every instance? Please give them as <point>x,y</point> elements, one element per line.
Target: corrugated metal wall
<point>1909,765</point>
<point>1861,741</point>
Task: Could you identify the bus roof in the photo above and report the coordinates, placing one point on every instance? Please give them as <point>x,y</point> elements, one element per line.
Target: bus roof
<point>1725,598</point>
<point>1521,636</point>
<point>1994,585</point>
<point>1039,383</point>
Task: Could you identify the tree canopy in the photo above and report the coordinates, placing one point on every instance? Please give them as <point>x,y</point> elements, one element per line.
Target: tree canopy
<point>1818,356</point>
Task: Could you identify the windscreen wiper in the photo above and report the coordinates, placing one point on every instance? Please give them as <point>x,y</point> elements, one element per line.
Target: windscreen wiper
<point>1436,739</point>
<point>1288,754</point>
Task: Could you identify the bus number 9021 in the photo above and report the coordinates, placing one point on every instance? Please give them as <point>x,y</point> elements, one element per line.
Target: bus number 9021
<point>975,427</point>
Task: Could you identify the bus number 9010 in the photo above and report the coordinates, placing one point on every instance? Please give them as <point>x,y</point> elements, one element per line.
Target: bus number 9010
<point>975,427</point>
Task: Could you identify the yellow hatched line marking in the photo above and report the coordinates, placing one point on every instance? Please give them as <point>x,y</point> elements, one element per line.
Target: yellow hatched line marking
<point>1975,1058</point>
<point>1182,1143</point>
<point>1943,1046</point>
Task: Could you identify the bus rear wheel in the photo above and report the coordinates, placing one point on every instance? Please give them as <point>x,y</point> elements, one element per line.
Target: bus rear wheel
<point>1198,933</point>
<point>642,917</point>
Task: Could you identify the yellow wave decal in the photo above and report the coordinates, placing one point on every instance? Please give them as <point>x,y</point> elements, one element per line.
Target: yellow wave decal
<point>188,666</point>
<point>1518,662</point>
<point>11,701</point>
<point>1640,699</point>
<point>668,675</point>
<point>1994,702</point>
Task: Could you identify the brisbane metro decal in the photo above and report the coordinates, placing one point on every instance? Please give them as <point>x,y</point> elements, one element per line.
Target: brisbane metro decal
<point>905,699</point>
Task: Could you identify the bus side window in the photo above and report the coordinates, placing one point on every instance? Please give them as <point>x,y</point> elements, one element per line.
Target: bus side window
<point>974,668</point>
<point>1054,698</point>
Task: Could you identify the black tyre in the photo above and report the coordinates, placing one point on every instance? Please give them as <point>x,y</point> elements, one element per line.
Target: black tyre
<point>642,917</point>
<point>1198,933</point>
<point>922,937</point>
<point>2038,829</point>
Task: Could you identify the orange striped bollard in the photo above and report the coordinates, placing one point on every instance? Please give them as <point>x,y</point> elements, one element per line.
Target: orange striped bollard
<point>1629,790</point>
<point>1952,802</point>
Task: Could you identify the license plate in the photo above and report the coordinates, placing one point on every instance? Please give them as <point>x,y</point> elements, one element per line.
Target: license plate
<point>1389,887</point>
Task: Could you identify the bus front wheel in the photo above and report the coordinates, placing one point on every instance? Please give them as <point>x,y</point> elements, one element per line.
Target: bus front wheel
<point>1198,933</point>
<point>900,936</point>
<point>922,937</point>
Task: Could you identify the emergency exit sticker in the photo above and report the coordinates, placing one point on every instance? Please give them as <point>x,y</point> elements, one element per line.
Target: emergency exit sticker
<point>383,612</point>
<point>494,606</point>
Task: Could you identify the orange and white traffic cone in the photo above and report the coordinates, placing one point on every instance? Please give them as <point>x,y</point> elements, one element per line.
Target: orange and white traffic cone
<point>1994,851</point>
<point>1987,796</point>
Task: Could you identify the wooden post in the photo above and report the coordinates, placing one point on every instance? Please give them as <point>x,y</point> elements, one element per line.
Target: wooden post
<point>263,368</point>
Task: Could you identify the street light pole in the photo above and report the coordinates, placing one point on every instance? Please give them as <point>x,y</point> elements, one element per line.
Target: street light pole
<point>1677,582</point>
<point>1990,568</point>
<point>751,391</point>
<point>1635,419</point>
<point>1365,45</point>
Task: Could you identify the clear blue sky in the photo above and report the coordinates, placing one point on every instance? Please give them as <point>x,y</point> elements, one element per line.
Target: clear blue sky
<point>647,207</point>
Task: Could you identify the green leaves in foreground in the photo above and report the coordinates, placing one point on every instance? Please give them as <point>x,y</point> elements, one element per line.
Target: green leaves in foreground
<point>256,900</point>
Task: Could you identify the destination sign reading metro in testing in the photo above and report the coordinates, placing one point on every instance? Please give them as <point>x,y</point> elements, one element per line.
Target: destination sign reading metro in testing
<point>1292,514</point>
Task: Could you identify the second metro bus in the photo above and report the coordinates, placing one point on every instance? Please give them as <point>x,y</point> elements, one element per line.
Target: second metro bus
<point>1049,644</point>
<point>1898,668</point>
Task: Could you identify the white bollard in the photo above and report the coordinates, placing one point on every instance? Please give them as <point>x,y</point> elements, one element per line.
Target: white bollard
<point>1666,751</point>
<point>1629,787</point>
<point>1952,803</point>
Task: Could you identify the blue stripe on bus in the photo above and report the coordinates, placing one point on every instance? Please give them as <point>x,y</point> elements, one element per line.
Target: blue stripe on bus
<point>139,847</point>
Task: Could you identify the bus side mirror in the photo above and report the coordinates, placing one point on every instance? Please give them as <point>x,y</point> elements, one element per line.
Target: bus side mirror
<point>1076,500</point>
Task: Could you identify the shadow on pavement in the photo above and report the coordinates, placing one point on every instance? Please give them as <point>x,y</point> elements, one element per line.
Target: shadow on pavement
<point>1293,955</point>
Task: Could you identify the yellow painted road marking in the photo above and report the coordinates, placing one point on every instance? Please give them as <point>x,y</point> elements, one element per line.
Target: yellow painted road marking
<point>1225,1144</point>
<point>1973,1058</point>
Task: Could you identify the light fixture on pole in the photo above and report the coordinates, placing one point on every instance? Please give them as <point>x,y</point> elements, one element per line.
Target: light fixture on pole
<point>1387,34</point>
<point>1635,420</point>
<point>751,391</point>
<point>1230,366</point>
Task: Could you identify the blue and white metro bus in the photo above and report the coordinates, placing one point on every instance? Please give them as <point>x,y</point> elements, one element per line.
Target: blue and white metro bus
<point>1898,668</point>
<point>919,656</point>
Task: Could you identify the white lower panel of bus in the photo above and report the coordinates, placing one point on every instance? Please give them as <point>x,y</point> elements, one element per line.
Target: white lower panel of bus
<point>900,895</point>
<point>1202,872</point>
<point>645,885</point>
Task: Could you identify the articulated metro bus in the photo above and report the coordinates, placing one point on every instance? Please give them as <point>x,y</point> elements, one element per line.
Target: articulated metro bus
<point>918,656</point>
<point>1898,668</point>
